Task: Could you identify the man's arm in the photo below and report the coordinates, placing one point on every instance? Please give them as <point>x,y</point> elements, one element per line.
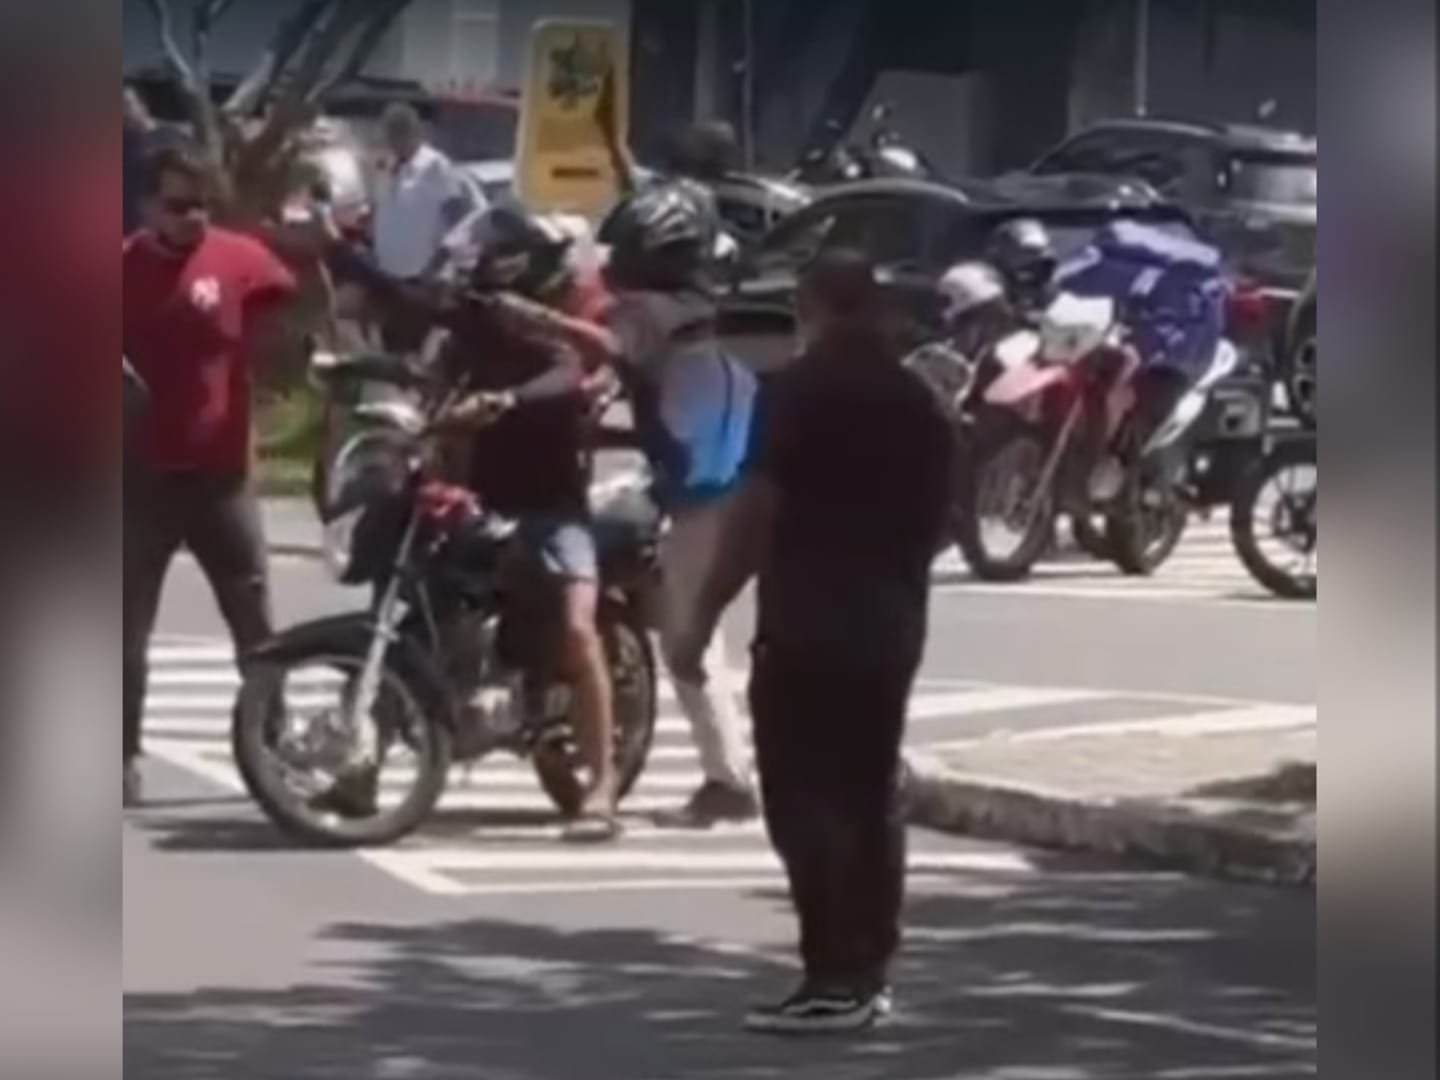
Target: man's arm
<point>621,160</point>
<point>595,344</point>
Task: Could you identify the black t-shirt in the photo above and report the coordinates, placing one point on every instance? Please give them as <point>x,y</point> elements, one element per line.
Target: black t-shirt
<point>535,459</point>
<point>861,454</point>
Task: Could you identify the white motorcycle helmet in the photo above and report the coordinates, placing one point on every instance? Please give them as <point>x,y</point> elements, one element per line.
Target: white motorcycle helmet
<point>967,286</point>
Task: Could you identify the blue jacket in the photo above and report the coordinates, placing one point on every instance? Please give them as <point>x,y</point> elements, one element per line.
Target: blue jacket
<point>1169,291</point>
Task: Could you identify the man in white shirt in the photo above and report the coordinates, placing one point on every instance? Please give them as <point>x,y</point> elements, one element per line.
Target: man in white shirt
<point>420,198</point>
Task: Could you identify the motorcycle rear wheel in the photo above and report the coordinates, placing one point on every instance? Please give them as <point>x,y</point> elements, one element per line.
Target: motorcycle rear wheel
<point>556,761</point>
<point>1141,540</point>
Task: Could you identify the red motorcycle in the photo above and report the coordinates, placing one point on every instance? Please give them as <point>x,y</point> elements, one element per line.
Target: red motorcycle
<point>1054,435</point>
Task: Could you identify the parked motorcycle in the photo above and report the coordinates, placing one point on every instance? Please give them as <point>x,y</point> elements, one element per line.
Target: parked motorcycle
<point>1274,517</point>
<point>455,658</point>
<point>885,153</point>
<point>1026,461</point>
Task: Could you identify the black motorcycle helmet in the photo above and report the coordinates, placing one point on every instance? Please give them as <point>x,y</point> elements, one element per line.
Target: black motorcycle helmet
<point>1023,253</point>
<point>660,238</point>
<point>508,247</point>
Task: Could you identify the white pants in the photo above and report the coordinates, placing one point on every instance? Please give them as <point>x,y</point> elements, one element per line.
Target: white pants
<point>718,726</point>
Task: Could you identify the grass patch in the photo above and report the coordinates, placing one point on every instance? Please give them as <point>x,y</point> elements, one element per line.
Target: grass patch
<point>288,431</point>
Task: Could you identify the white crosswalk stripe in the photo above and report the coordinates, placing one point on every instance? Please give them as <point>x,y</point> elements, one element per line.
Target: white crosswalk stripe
<point>496,832</point>
<point>1204,566</point>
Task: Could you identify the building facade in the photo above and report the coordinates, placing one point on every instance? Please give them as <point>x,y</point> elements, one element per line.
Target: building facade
<point>979,85</point>
<point>437,43</point>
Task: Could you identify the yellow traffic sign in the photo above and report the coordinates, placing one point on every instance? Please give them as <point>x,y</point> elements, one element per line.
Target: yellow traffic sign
<point>576,102</point>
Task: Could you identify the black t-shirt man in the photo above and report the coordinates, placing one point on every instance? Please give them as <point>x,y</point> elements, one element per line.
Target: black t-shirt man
<point>859,453</point>
<point>841,514</point>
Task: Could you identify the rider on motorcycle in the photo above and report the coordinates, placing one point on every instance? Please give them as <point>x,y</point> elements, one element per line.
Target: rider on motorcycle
<point>522,314</point>
<point>1170,295</point>
<point>1021,250</point>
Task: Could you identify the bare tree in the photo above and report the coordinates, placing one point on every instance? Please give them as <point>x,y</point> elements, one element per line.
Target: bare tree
<point>252,139</point>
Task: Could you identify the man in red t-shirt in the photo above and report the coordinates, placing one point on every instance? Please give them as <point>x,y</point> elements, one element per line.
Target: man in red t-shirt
<point>195,297</point>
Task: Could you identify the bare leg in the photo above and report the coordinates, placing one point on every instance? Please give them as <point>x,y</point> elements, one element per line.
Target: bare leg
<point>589,671</point>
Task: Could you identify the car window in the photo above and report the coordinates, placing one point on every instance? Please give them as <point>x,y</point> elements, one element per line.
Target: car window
<point>794,243</point>
<point>1155,157</point>
<point>477,131</point>
<point>1269,177</point>
<point>744,216</point>
<point>891,231</point>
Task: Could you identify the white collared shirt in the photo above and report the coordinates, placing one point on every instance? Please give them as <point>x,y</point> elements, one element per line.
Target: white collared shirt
<point>409,211</point>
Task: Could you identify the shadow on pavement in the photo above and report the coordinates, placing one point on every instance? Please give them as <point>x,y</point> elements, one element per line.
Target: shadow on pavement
<point>1047,976</point>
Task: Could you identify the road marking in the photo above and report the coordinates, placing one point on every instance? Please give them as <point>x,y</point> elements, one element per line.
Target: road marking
<point>188,719</point>
<point>996,699</point>
<point>1214,722</point>
<point>432,870</point>
<point>1267,1039</point>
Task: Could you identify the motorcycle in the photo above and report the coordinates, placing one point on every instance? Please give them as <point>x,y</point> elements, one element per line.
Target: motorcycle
<point>455,658</point>
<point>1025,464</point>
<point>1289,468</point>
<point>885,154</point>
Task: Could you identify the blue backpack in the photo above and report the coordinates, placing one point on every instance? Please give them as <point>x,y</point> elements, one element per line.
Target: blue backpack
<point>1168,289</point>
<point>694,406</point>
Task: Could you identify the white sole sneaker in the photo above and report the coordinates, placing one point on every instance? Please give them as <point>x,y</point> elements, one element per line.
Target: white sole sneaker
<point>817,1017</point>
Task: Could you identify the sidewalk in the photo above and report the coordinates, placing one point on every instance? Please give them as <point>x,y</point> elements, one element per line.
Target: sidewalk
<point>1238,804</point>
<point>291,527</point>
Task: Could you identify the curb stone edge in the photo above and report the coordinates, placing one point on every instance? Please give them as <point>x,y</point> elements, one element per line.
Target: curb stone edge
<point>1164,834</point>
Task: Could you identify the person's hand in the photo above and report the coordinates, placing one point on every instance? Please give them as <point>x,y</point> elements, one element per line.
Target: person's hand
<point>477,410</point>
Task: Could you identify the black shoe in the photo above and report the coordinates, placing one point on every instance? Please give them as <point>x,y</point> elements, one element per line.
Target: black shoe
<point>131,786</point>
<point>820,1011</point>
<point>712,804</point>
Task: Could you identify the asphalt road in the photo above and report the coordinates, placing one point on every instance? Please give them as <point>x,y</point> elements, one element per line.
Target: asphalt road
<point>486,949</point>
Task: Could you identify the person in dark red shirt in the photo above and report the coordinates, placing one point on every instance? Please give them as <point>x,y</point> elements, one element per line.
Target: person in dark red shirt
<point>195,298</point>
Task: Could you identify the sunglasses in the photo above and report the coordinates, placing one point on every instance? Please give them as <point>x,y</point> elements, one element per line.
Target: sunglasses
<point>182,206</point>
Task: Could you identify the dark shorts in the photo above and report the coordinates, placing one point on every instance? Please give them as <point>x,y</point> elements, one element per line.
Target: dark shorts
<point>565,545</point>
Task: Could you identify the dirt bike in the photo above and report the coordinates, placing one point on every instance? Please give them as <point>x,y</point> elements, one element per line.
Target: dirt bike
<point>457,655</point>
<point>1066,387</point>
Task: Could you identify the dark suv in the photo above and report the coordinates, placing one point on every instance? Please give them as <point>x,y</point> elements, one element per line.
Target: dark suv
<point>1252,190</point>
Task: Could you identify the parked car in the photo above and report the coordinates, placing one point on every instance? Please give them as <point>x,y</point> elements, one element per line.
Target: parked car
<point>914,230</point>
<point>1251,189</point>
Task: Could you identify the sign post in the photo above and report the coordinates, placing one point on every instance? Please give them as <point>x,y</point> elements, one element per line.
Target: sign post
<point>574,109</point>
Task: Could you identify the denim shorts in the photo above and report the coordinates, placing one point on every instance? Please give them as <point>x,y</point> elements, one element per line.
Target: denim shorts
<point>565,545</point>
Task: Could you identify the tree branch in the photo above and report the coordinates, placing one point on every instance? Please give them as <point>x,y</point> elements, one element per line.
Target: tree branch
<point>364,47</point>
<point>174,58</point>
<point>289,36</point>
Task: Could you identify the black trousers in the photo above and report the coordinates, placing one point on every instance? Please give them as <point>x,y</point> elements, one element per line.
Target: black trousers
<point>827,745</point>
<point>218,520</point>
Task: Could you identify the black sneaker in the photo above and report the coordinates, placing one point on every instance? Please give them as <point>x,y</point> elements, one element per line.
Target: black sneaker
<point>712,804</point>
<point>131,786</point>
<point>820,1011</point>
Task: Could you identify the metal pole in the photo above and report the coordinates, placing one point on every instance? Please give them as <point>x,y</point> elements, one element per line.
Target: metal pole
<point>1142,57</point>
<point>747,87</point>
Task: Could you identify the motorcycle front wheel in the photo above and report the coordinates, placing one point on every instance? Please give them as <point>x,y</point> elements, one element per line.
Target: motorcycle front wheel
<point>291,749</point>
<point>1005,518</point>
<point>556,759</point>
<point>1291,475</point>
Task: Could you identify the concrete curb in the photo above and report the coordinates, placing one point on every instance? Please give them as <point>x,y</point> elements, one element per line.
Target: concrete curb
<point>1203,837</point>
<point>295,550</point>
